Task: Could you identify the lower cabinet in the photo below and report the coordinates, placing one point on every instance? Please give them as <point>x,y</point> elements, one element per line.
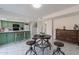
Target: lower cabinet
<point>27,35</point>
<point>8,37</point>
<point>3,38</point>
<point>67,35</point>
<point>19,36</point>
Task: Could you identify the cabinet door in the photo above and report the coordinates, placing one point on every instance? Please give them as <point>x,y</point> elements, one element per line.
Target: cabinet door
<point>60,34</point>
<point>10,37</point>
<point>10,24</point>
<point>72,36</point>
<point>19,36</point>
<point>3,38</point>
<point>21,24</point>
<point>4,24</point>
<point>27,35</point>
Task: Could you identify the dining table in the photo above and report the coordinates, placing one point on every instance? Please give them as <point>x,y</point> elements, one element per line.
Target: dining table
<point>42,41</point>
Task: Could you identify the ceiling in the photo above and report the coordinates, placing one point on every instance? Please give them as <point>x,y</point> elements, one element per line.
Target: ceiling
<point>27,11</point>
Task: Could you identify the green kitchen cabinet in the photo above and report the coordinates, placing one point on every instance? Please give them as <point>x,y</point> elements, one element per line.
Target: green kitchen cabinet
<point>3,38</point>
<point>10,24</point>
<point>21,24</point>
<point>27,35</point>
<point>7,37</point>
<point>19,36</point>
<point>4,24</point>
<point>11,37</point>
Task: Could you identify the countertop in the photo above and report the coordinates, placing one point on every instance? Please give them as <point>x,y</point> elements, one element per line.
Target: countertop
<point>13,31</point>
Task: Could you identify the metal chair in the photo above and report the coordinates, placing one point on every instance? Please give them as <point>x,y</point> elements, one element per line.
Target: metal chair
<point>58,50</point>
<point>31,49</point>
<point>46,39</point>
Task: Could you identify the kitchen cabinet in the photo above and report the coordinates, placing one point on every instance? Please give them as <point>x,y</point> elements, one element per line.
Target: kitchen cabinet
<point>10,24</point>
<point>4,24</point>
<point>27,35</point>
<point>19,36</point>
<point>68,35</point>
<point>3,38</point>
<point>21,24</point>
<point>10,37</point>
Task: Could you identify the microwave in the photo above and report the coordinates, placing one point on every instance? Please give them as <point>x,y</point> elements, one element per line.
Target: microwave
<point>16,26</point>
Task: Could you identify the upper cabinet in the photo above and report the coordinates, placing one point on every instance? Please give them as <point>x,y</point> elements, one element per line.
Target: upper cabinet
<point>4,24</point>
<point>9,24</point>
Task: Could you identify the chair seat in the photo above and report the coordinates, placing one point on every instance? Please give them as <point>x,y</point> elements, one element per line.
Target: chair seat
<point>59,44</point>
<point>30,42</point>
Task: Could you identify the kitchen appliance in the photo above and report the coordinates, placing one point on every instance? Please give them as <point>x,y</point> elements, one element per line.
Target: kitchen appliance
<point>16,27</point>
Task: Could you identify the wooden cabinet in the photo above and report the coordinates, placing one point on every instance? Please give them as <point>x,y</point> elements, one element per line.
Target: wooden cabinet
<point>61,36</point>
<point>68,35</point>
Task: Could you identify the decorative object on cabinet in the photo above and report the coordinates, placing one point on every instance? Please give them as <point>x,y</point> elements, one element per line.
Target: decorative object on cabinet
<point>76,27</point>
<point>64,27</point>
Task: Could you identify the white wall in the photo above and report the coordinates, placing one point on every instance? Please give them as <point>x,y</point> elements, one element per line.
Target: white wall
<point>39,26</point>
<point>48,23</point>
<point>67,21</point>
<point>45,26</point>
<point>48,26</point>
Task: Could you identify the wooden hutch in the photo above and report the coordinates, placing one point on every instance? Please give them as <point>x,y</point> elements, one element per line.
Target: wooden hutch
<point>68,35</point>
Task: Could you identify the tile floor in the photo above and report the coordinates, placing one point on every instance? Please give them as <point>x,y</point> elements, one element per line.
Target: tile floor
<point>19,48</point>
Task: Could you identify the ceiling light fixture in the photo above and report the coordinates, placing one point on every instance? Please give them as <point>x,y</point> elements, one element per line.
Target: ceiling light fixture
<point>36,5</point>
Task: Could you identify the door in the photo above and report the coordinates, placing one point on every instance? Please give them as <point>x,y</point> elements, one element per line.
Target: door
<point>34,29</point>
